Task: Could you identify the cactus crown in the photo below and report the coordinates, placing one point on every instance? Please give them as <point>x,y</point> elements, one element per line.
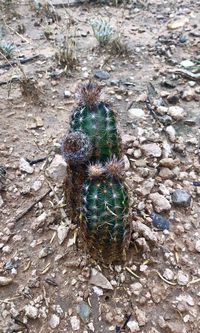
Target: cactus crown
<point>96,170</point>
<point>76,147</point>
<point>88,94</point>
<point>115,167</point>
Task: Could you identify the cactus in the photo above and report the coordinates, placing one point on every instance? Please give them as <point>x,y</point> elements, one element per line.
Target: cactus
<point>104,211</point>
<point>98,122</point>
<point>103,31</point>
<point>96,194</point>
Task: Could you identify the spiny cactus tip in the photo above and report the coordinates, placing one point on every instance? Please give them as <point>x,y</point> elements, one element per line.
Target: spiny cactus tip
<point>115,167</point>
<point>96,170</point>
<point>88,93</point>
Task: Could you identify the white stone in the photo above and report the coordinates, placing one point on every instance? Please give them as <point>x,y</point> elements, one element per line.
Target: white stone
<point>91,327</point>
<point>4,280</point>
<point>147,186</point>
<point>118,268</point>
<point>54,321</point>
<point>36,185</point>
<point>31,311</point>
<point>99,280</point>
<point>126,163</point>
<point>136,113</point>
<point>1,201</point>
<point>141,317</point>
<point>98,291</point>
<point>62,232</point>
<point>160,203</point>
<point>25,166</point>
<point>170,130</point>
<point>133,326</point>
<point>182,278</point>
<point>57,169</point>
<point>168,274</point>
<point>187,63</point>
<point>75,323</point>
<point>7,249</point>
<point>67,93</point>
<point>137,153</point>
<point>42,217</point>
<point>152,149</point>
<point>176,112</point>
<point>197,245</point>
<point>136,288</point>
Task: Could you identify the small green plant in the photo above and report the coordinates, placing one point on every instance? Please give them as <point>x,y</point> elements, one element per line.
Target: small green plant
<point>66,54</point>
<point>103,31</point>
<point>7,49</point>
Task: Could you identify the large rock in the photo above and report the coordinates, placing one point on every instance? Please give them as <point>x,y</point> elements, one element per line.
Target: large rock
<point>57,169</point>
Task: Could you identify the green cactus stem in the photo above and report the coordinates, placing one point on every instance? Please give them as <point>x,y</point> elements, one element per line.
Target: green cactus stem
<point>98,122</point>
<point>104,211</point>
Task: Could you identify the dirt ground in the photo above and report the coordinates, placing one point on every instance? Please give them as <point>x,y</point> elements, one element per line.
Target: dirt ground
<point>45,279</point>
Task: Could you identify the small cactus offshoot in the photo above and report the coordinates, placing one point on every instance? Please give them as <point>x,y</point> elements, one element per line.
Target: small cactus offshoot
<point>98,122</point>
<point>76,148</point>
<point>104,210</point>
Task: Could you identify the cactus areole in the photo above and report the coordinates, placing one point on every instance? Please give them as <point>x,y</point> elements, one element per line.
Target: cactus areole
<point>98,122</point>
<point>104,211</point>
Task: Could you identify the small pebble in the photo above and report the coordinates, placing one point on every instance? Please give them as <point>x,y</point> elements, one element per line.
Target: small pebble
<point>25,166</point>
<point>4,281</point>
<point>159,221</point>
<point>181,198</point>
<point>197,245</point>
<point>31,311</point>
<point>102,75</point>
<point>54,321</point>
<point>136,113</point>
<point>75,323</point>
<point>67,93</point>
<point>168,274</point>
<point>182,278</point>
<point>160,203</point>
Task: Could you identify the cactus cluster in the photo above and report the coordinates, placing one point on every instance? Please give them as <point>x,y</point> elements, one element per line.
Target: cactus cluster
<point>98,197</point>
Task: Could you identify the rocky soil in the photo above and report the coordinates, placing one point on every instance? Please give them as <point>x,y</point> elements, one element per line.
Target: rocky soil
<point>47,282</point>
